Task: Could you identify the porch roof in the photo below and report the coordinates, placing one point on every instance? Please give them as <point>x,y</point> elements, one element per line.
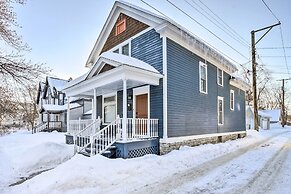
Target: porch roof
<point>134,71</point>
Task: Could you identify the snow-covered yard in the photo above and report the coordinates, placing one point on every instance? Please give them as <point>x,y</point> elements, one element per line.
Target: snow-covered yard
<point>259,163</point>
<point>23,154</point>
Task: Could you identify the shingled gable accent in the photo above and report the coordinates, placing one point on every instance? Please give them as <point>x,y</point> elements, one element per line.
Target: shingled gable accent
<point>133,27</point>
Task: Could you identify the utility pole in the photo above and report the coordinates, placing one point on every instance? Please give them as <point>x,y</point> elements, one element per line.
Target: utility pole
<point>283,112</point>
<point>254,69</point>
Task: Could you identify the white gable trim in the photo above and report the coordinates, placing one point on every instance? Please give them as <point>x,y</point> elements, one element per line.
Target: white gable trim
<point>127,9</point>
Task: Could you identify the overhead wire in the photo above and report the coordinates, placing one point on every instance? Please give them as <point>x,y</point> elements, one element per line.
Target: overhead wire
<point>216,23</point>
<point>207,7</point>
<point>281,34</point>
<point>178,8</point>
<point>152,7</point>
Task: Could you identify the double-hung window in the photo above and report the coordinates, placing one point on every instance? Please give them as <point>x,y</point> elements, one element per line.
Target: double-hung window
<point>231,100</point>
<point>220,110</point>
<point>203,77</point>
<point>219,77</point>
<point>109,109</point>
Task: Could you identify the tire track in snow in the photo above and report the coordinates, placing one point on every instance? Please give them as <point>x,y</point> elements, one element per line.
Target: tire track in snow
<point>262,182</point>
<point>178,179</point>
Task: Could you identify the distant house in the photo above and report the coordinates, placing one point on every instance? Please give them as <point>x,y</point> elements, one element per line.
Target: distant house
<point>52,105</point>
<point>264,119</point>
<point>154,87</point>
<point>275,115</point>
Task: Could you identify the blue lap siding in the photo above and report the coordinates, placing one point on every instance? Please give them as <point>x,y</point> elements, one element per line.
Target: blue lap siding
<point>147,48</point>
<point>191,112</point>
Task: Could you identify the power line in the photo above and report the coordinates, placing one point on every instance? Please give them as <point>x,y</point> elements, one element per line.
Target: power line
<point>270,10</point>
<point>216,24</point>
<point>286,47</point>
<point>149,5</point>
<point>273,56</point>
<point>207,29</point>
<point>223,21</point>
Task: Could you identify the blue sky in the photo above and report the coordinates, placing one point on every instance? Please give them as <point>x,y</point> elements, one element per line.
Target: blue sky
<point>61,33</point>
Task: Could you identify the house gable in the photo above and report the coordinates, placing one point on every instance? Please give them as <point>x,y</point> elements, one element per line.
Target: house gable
<point>105,68</point>
<point>132,27</point>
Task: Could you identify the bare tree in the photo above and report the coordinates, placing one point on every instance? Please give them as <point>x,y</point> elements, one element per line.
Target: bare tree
<point>14,66</point>
<point>28,107</point>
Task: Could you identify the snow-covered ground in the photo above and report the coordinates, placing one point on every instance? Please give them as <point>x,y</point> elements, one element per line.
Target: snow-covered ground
<point>23,153</point>
<point>259,163</point>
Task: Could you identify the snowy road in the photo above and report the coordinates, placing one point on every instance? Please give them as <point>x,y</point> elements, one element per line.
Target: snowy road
<point>258,168</point>
<point>258,163</point>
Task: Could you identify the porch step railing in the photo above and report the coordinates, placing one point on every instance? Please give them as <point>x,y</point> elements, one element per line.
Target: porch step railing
<point>40,127</point>
<point>100,141</point>
<point>142,128</point>
<point>75,126</point>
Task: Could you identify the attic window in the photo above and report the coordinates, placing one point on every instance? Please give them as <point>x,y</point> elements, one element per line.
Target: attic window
<point>120,27</point>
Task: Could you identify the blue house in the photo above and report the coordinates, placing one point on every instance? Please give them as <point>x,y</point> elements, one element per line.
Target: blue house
<point>154,87</point>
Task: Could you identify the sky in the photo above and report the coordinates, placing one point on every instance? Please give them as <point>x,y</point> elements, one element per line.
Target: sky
<point>62,33</point>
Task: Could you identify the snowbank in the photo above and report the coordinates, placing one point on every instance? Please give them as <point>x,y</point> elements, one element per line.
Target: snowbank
<point>23,153</point>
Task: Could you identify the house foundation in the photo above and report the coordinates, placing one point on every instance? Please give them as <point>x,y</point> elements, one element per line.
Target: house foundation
<point>166,147</point>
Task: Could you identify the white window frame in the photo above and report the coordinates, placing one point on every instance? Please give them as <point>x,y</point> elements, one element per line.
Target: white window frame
<point>231,103</point>
<point>106,96</point>
<point>221,77</point>
<point>218,99</point>
<point>119,47</point>
<point>203,65</point>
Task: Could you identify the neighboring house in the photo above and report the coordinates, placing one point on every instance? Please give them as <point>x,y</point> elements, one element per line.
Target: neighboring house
<point>263,119</point>
<point>155,87</point>
<point>275,115</point>
<point>51,104</point>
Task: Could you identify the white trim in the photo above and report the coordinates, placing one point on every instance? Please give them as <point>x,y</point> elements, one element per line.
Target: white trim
<point>231,92</point>
<point>183,38</point>
<point>140,91</point>
<point>106,96</point>
<point>218,69</point>
<point>119,47</point>
<point>201,64</point>
<point>165,90</point>
<point>239,84</point>
<point>220,98</point>
<point>185,138</point>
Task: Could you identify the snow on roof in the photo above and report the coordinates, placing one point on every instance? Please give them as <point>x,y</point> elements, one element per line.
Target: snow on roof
<point>119,59</point>
<point>56,83</point>
<point>59,108</point>
<point>262,114</point>
<point>76,81</point>
<point>275,114</point>
<point>127,60</point>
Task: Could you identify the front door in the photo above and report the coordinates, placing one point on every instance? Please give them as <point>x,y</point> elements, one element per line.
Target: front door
<point>142,106</point>
<point>141,114</point>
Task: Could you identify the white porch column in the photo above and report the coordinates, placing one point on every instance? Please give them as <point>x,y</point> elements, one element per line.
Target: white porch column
<point>68,116</point>
<point>94,107</point>
<point>124,108</point>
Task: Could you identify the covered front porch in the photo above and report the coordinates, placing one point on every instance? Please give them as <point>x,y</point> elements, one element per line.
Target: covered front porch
<point>120,89</point>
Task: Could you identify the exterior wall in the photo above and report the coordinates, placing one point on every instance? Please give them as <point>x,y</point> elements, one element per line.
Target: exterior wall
<point>191,112</point>
<point>148,48</point>
<point>132,28</point>
<point>76,113</point>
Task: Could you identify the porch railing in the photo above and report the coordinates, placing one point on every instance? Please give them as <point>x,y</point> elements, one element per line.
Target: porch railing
<point>40,127</point>
<point>75,126</point>
<point>54,125</point>
<point>142,128</point>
